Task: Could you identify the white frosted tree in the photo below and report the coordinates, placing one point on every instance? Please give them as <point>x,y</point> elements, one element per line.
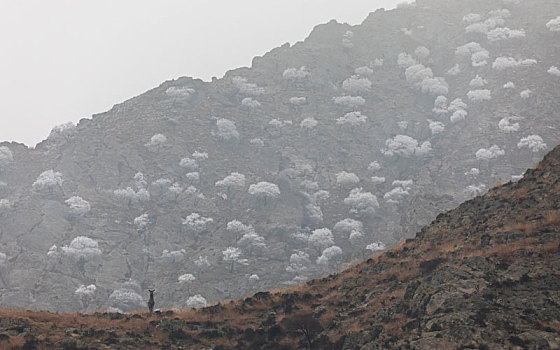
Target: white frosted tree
<point>352,119</point>
<point>250,103</point>
<point>489,154</point>
<point>436,127</point>
<point>127,298</point>
<point>86,294</point>
<point>525,94</point>
<point>349,101</point>
<point>308,123</point>
<point>81,250</point>
<point>188,163</point>
<point>345,179</point>
<point>361,203</point>
<point>440,105</point>
<point>232,255</point>
<point>247,88</point>
<point>196,302</point>
<point>554,24</point>
<point>331,257</point>
<point>475,190</point>
<point>297,101</point>
<point>505,125</point>
<point>321,238</point>
<point>533,142</point>
<point>299,263</point>
<point>6,156</point>
<point>238,229</point>
<point>356,84</point>
<point>48,181</point>
<point>363,71</point>
<point>197,224</point>
<point>252,242</point>
<point>346,226</point>
<point>478,82</point>
<point>157,141</point>
<point>179,92</point>
<point>509,85</point>
<point>405,146</point>
<point>295,74</point>
<point>226,130</point>
<point>186,279</point>
<point>232,182</point>
<point>202,263</point>
<point>376,246</point>
<point>264,190</point>
<point>192,177</point>
<point>479,95</point>
<point>553,70</point>
<point>141,222</point>
<point>78,205</point>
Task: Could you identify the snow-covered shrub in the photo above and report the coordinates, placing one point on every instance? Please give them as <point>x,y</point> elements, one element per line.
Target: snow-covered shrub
<point>349,101</point>
<point>509,85</point>
<point>478,82</point>
<point>308,123</point>
<point>257,142</point>
<point>503,63</point>
<point>127,298</point>
<point>296,74</point>
<point>440,105</point>
<point>232,255</point>
<point>504,33</point>
<point>321,238</point>
<point>505,125</point>
<point>298,101</point>
<point>142,221</point>
<point>197,223</point>
<point>405,146</point>
<point>475,190</point>
<point>489,153</point>
<point>348,225</point>
<point>352,118</point>
<point>479,55</point>
<point>82,247</point>
<point>264,190</point>
<point>226,129</point>
<point>232,181</point>
<point>250,103</point>
<point>422,53</point>
<point>78,205</point>
<point>179,92</point>
<point>405,60</point>
<point>347,39</point>
<point>376,180</point>
<point>48,180</point>
<point>361,203</point>
<point>436,127</point>
<point>157,140</point>
<point>554,71</point>
<point>247,88</point>
<point>299,262</point>
<point>186,278</point>
<point>376,246</point>
<point>331,256</point>
<point>355,84</point>
<point>554,24</point>
<point>196,302</point>
<point>346,179</point>
<point>533,142</point>
<point>479,95</point>
<point>199,156</point>
<point>363,71</point>
<point>525,94</point>
<point>472,18</point>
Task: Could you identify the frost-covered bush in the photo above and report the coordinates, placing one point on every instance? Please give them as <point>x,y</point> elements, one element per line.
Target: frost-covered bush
<point>355,84</point>
<point>489,153</point>
<point>188,163</point>
<point>346,179</point>
<point>405,60</point>
<point>436,127</point>
<point>157,140</point>
<point>554,71</point>
<point>331,256</point>
<point>127,298</point>
<point>363,71</point>
<point>376,180</point>
<point>179,92</point>
<point>440,105</point>
<point>238,228</point>
<point>374,166</point>
<point>352,118</point>
<point>533,142</point>
<point>6,156</point>
<point>128,196</point>
<point>247,88</point>
<point>474,172</point>
<point>321,238</point>
<point>197,223</point>
<point>196,302</point>
<point>525,94</point>
<point>299,262</point>
<point>422,78</point>
<point>361,203</point>
<point>232,181</point>
<point>84,291</point>
<point>295,73</point>
<point>232,255</point>
<point>298,101</point>
<point>349,101</point>
<point>504,33</point>
<point>78,205</point>
<point>82,247</point>
<point>503,63</point>
<point>378,62</point>
<point>161,185</point>
<point>347,39</point>
<point>479,95</point>
<point>48,180</point>
<point>475,190</point>
<point>509,85</point>
<point>348,225</point>
<point>252,241</point>
<point>422,52</point>
<point>142,221</point>
<point>405,146</point>
<point>458,115</point>
<point>226,130</point>
<point>478,82</point>
<point>257,142</point>
<point>376,246</point>
<point>277,123</point>
<point>472,18</point>
<point>250,103</point>
<point>505,125</point>
<point>264,190</point>
<point>308,123</point>
<point>193,177</point>
<point>400,190</point>
<point>479,55</point>
<point>62,131</point>
<point>4,203</point>
<point>186,278</point>
<point>554,24</point>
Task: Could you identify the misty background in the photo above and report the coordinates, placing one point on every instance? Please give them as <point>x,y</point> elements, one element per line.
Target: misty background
<point>66,60</point>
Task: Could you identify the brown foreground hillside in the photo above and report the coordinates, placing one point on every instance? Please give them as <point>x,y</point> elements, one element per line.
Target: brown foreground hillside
<point>483,276</point>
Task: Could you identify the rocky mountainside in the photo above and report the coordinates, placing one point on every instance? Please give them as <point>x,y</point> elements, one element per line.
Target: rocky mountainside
<point>321,152</point>
<point>483,276</point>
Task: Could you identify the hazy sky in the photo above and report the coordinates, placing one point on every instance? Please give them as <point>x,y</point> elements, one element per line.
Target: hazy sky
<point>64,60</point>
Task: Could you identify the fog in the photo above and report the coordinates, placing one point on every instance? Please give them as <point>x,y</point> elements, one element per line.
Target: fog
<point>65,60</point>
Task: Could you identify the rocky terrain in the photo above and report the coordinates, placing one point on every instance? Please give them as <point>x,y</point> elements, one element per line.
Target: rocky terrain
<point>319,154</point>
<point>485,275</point>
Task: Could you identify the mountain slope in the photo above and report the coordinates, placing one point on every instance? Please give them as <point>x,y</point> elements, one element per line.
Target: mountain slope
<point>372,163</point>
<point>484,275</point>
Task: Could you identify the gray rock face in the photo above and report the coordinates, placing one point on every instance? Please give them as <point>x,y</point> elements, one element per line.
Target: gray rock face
<point>149,163</point>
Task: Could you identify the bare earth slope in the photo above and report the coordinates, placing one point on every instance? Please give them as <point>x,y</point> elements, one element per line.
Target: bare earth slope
<point>341,125</point>
<point>483,276</point>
